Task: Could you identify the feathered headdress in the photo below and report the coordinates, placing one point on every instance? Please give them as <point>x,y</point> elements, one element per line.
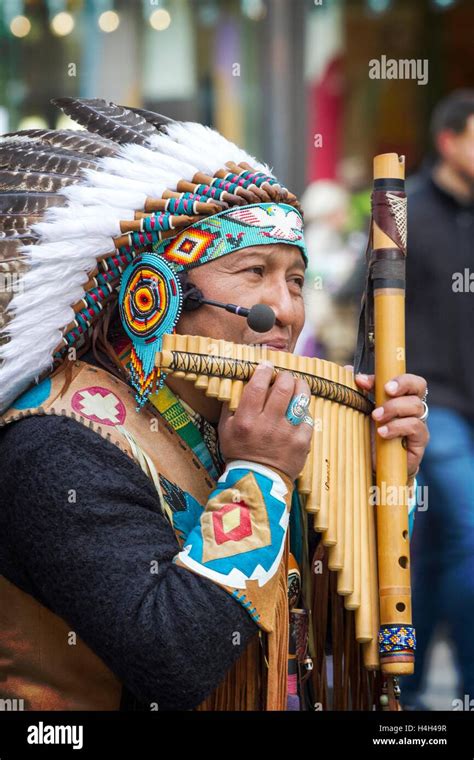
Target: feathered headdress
<point>126,205</point>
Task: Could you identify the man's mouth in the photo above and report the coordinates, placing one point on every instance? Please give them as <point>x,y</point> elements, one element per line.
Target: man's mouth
<point>278,345</point>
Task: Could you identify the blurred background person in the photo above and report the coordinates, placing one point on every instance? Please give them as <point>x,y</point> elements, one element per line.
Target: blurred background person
<point>440,305</point>
<point>353,173</point>
<point>329,329</point>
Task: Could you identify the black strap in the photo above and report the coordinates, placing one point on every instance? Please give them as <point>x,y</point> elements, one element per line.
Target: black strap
<point>364,353</point>
<point>386,269</point>
<point>391,184</point>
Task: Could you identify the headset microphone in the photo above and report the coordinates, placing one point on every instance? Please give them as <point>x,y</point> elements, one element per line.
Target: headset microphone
<point>260,317</point>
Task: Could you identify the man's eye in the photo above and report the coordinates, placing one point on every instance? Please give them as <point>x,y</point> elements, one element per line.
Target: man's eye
<point>259,270</point>
<point>299,281</point>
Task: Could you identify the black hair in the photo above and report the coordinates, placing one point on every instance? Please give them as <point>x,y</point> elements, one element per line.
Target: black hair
<point>452,112</point>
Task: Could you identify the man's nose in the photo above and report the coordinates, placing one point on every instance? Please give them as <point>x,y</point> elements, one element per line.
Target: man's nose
<point>279,298</point>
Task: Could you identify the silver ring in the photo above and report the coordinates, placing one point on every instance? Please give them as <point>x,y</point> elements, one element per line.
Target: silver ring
<point>309,420</point>
<point>426,412</point>
<point>297,408</point>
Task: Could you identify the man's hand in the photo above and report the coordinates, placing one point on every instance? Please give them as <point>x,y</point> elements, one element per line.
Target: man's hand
<point>259,431</point>
<point>400,415</point>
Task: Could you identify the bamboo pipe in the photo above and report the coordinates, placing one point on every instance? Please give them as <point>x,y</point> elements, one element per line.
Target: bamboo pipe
<point>352,600</point>
<point>203,380</point>
<point>363,615</point>
<point>345,579</point>
<point>370,650</point>
<point>321,519</point>
<point>336,552</point>
<point>392,520</point>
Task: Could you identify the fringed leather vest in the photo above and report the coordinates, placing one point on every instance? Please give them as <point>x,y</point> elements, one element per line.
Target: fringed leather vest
<point>38,668</point>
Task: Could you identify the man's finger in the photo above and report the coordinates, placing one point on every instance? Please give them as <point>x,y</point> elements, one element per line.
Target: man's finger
<point>366,382</point>
<point>406,385</point>
<point>225,414</point>
<point>406,406</point>
<point>280,395</point>
<point>411,427</point>
<point>255,391</point>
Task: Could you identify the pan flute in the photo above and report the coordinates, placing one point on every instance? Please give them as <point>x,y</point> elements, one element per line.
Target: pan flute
<point>337,478</point>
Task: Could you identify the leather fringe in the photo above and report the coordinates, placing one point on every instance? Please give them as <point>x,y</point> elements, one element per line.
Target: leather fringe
<point>353,687</point>
<point>258,681</point>
<point>278,643</point>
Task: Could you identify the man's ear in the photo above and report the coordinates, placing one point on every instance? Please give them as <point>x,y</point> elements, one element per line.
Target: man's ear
<point>444,142</point>
<point>191,294</point>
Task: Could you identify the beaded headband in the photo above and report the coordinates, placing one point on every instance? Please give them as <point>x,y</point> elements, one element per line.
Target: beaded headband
<point>231,230</point>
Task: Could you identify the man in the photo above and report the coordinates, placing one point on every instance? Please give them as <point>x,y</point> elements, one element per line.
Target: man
<point>440,304</point>
<point>145,586</point>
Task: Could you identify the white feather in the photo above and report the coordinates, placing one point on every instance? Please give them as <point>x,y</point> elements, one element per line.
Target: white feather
<point>76,253</point>
<point>88,226</point>
<point>34,335</point>
<point>88,196</point>
<point>26,363</point>
<point>206,141</point>
<point>42,309</point>
<point>148,176</point>
<point>138,154</point>
<point>149,186</point>
<point>166,146</point>
<point>76,211</point>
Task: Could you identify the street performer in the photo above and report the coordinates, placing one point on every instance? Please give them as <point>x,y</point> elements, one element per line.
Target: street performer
<point>148,533</point>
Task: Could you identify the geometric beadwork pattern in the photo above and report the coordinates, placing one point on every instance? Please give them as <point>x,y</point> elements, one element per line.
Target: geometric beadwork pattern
<point>396,638</point>
<point>99,405</point>
<point>232,522</point>
<point>191,246</point>
<point>240,536</point>
<point>234,525</point>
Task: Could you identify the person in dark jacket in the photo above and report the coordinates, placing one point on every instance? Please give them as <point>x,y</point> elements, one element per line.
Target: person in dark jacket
<point>440,323</point>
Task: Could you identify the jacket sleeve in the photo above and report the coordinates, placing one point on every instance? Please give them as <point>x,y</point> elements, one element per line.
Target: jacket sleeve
<point>239,539</point>
<point>83,532</point>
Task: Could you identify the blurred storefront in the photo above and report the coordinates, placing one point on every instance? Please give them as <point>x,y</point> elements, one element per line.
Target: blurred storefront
<point>235,64</point>
<point>289,79</point>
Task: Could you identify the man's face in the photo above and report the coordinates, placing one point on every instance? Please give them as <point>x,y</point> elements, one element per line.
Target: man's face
<point>269,274</point>
<point>458,149</point>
